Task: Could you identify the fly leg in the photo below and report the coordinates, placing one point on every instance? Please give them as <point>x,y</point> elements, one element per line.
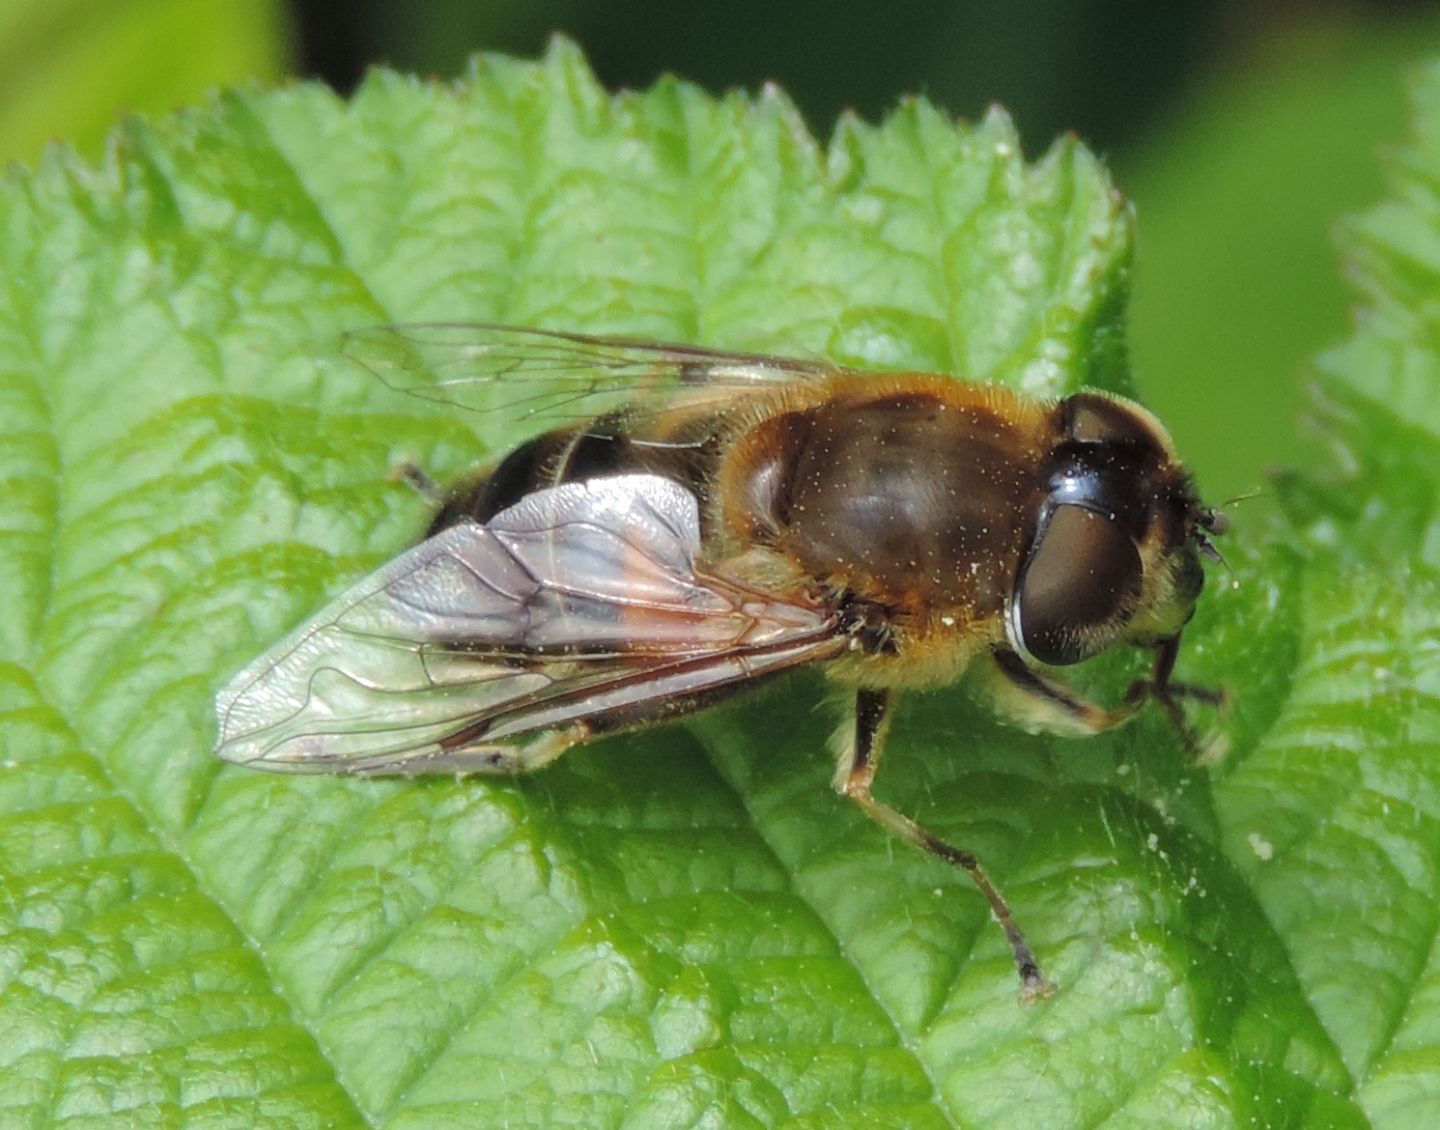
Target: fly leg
<point>418,479</point>
<point>854,777</point>
<point>1040,703</point>
<point>1168,694</point>
<point>479,757</point>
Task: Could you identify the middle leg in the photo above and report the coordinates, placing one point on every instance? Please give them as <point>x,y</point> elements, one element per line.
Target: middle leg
<point>854,777</point>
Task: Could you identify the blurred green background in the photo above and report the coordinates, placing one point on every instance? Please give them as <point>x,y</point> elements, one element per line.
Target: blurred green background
<point>1243,130</point>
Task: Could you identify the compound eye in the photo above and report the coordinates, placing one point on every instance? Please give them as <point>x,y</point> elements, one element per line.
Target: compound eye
<point>1081,578</point>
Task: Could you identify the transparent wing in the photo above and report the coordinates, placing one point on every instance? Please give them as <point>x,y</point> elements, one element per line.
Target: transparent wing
<point>546,374</point>
<point>578,609</point>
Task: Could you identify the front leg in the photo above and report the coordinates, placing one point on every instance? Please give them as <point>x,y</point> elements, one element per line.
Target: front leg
<point>1042,704</point>
<point>854,776</point>
<point>1168,694</point>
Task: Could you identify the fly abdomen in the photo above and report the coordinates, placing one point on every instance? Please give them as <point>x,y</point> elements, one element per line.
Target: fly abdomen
<point>524,471</point>
<point>592,450</point>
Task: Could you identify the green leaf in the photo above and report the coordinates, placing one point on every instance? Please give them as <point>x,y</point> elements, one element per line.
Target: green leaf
<point>684,927</point>
<point>68,66</point>
<point>1375,400</point>
<point>1238,197</point>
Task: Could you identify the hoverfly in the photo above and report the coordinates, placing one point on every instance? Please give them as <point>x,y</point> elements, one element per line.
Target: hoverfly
<point>734,516</point>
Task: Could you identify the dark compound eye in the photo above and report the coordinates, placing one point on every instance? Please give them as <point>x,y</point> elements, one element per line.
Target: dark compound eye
<point>1082,574</point>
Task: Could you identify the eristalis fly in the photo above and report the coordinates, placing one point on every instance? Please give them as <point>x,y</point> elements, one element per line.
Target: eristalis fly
<point>730,517</point>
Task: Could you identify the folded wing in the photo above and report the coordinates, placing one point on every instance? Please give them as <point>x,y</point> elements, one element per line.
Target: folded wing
<point>583,604</point>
